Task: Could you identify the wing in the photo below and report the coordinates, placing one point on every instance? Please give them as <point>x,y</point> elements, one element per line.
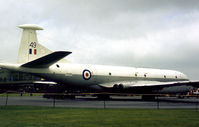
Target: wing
<point>151,86</point>
<point>47,60</point>
<point>25,83</point>
<point>14,85</point>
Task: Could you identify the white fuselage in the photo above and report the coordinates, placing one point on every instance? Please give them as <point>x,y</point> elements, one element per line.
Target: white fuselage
<point>76,76</point>
<point>73,73</point>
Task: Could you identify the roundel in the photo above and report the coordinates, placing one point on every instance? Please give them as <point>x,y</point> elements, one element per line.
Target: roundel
<point>86,74</point>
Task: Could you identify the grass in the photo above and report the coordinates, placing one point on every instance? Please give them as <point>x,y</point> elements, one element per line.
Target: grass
<point>33,116</point>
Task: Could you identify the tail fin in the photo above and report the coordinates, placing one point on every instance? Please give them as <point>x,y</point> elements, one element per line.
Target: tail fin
<point>30,49</point>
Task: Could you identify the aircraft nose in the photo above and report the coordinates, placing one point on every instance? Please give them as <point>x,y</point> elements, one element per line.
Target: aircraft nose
<point>185,76</point>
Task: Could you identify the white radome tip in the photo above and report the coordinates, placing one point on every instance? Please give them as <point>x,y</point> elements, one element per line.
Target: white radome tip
<point>30,26</point>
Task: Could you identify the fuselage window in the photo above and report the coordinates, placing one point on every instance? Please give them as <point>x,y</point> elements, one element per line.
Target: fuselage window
<point>109,73</point>
<point>57,65</point>
<point>136,74</point>
<point>145,74</point>
<point>176,76</point>
<point>165,76</point>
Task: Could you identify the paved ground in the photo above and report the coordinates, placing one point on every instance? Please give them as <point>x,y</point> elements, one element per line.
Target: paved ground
<point>91,102</point>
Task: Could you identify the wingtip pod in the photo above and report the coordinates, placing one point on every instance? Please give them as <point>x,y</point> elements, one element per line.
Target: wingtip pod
<point>30,26</point>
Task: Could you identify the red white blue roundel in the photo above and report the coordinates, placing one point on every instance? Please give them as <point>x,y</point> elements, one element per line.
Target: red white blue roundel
<point>86,74</point>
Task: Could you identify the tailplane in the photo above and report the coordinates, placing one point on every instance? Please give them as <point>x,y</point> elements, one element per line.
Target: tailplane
<point>47,60</point>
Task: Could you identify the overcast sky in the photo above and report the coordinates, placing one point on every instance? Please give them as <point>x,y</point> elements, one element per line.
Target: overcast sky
<point>140,33</point>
